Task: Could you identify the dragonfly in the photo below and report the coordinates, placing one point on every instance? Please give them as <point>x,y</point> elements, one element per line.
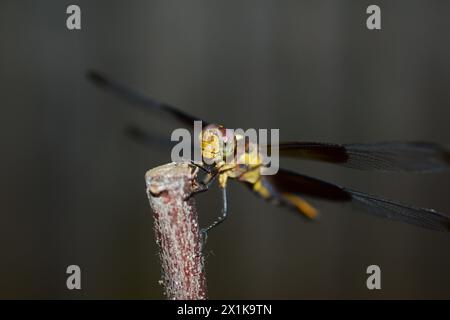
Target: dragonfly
<point>290,189</point>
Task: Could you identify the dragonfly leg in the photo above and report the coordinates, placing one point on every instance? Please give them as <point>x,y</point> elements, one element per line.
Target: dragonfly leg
<point>201,167</point>
<point>202,185</point>
<point>220,219</point>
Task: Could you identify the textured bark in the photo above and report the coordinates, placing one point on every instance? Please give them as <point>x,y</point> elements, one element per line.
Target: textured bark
<point>177,230</point>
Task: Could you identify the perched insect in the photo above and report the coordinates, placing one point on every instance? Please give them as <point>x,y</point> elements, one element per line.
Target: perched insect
<point>289,188</point>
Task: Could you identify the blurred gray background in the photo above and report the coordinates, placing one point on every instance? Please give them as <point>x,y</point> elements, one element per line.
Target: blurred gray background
<point>72,184</point>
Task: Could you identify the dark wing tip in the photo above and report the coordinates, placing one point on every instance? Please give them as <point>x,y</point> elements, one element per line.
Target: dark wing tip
<point>96,77</point>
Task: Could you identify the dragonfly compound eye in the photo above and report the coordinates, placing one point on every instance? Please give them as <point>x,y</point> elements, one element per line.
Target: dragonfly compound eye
<point>215,143</point>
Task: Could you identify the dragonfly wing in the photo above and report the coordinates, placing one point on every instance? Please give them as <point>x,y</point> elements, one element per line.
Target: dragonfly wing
<point>390,156</point>
<point>147,138</point>
<point>139,99</point>
<point>152,139</point>
<point>288,189</point>
<point>290,183</point>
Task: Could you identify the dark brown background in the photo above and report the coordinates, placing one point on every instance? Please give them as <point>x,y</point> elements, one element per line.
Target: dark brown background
<point>72,186</point>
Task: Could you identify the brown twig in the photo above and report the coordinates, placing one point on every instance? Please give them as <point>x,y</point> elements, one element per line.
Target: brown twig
<point>177,230</point>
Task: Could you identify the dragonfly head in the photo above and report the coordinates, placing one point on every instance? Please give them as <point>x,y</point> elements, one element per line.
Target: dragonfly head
<point>217,143</point>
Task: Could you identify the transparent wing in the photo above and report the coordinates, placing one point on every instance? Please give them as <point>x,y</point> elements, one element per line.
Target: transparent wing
<point>290,183</point>
<point>390,156</point>
<point>139,99</point>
